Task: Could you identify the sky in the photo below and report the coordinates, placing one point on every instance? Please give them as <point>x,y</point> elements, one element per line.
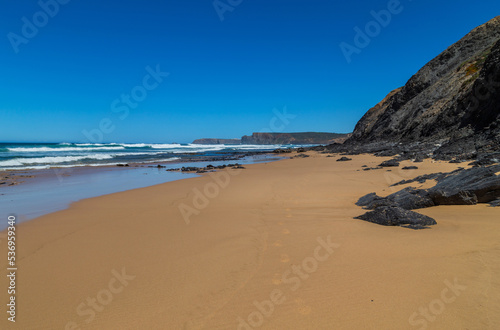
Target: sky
<point>173,71</point>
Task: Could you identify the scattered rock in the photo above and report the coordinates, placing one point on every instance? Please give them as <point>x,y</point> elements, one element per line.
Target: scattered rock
<point>410,168</point>
<point>281,151</point>
<point>397,216</point>
<point>301,150</point>
<point>344,159</point>
<point>372,168</point>
<point>189,169</point>
<point>389,163</point>
<point>301,156</point>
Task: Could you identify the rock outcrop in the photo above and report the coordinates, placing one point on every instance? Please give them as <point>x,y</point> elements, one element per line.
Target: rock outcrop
<point>397,216</point>
<point>448,109</point>
<point>293,138</point>
<point>460,187</point>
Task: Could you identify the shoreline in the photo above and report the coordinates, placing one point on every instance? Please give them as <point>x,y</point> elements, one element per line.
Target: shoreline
<point>239,251</point>
<point>51,190</point>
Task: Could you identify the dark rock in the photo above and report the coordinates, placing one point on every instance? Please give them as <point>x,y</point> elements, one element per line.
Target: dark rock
<point>372,201</point>
<point>301,150</point>
<point>408,199</point>
<point>468,187</point>
<point>344,159</point>
<point>495,203</point>
<point>397,216</point>
<point>189,169</point>
<point>411,198</point>
<point>281,151</point>
<point>302,156</point>
<point>455,161</point>
<point>389,163</point>
<point>410,168</point>
<point>364,166</point>
<point>372,168</point>
<point>423,178</point>
<point>161,166</point>
<point>486,160</point>
<point>201,171</point>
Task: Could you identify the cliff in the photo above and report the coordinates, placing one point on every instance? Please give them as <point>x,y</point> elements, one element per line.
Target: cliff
<point>453,101</point>
<point>293,138</point>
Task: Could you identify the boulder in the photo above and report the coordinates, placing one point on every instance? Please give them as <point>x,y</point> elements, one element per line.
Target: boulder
<point>408,199</point>
<point>389,163</point>
<point>344,159</point>
<point>397,216</point>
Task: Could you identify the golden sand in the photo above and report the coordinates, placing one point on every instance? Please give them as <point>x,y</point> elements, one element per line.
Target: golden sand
<point>273,246</point>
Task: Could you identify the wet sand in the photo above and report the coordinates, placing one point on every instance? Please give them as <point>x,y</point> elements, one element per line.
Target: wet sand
<point>273,246</point>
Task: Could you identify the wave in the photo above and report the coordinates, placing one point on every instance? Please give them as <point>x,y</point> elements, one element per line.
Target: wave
<point>60,165</point>
<point>161,160</point>
<point>48,149</point>
<point>51,160</point>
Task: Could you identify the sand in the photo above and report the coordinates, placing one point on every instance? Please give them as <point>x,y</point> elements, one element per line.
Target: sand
<point>274,246</point>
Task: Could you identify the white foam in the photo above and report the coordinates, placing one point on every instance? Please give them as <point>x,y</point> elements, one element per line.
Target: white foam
<point>47,149</point>
<point>48,166</point>
<point>51,160</point>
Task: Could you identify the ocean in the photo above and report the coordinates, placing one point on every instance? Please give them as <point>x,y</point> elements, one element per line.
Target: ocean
<point>27,156</point>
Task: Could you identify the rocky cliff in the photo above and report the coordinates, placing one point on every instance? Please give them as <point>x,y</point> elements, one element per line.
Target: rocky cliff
<point>293,138</point>
<point>452,103</point>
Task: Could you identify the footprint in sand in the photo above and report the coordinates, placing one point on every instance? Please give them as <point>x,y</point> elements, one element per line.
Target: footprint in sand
<point>281,223</point>
<point>276,279</point>
<point>288,216</point>
<point>284,258</point>
<point>286,232</point>
<point>302,307</point>
<point>278,244</point>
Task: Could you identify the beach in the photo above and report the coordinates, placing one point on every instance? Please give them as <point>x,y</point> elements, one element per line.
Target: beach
<point>271,246</point>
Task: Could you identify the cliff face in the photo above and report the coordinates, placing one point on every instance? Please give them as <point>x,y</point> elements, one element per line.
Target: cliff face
<point>293,138</point>
<point>454,100</point>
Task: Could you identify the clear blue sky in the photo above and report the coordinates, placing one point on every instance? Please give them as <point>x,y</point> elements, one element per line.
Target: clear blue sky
<point>225,76</point>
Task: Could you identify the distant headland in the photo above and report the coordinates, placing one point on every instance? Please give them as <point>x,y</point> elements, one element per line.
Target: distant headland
<point>280,138</point>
